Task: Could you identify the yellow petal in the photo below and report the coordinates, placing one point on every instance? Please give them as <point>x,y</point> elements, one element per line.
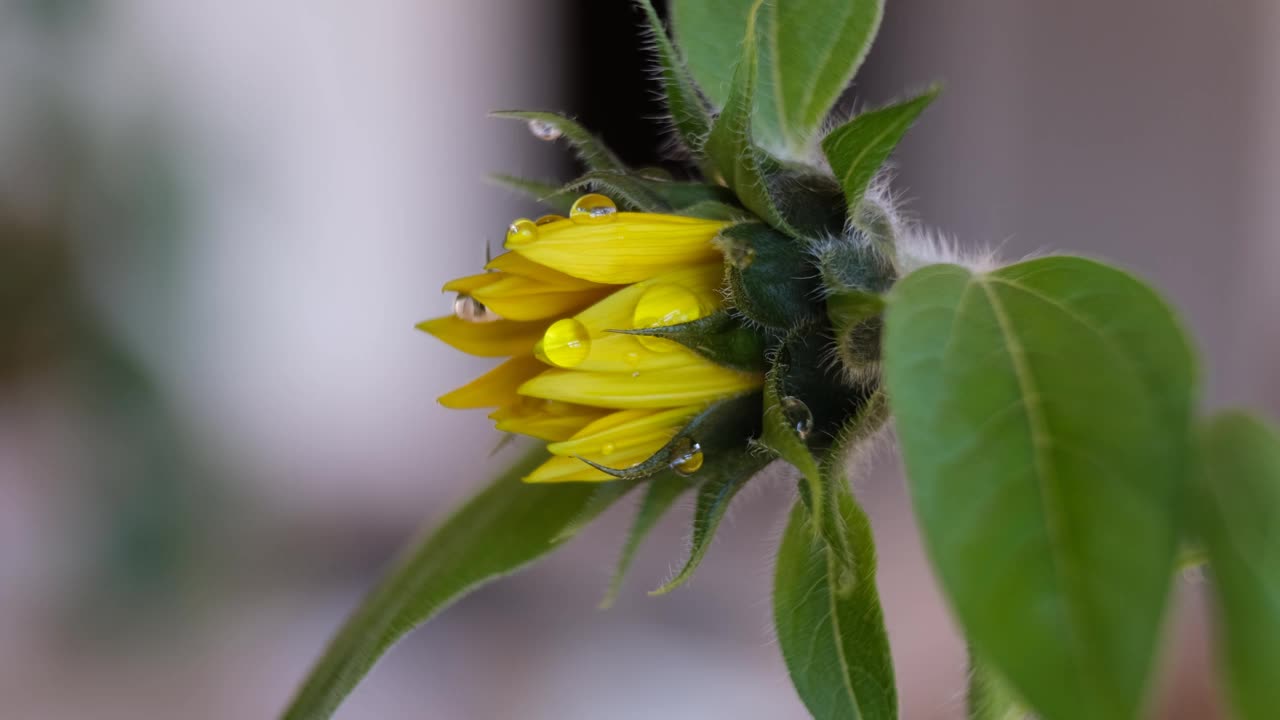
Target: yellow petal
<point>496,387</point>
<point>520,298</point>
<point>624,430</point>
<point>471,283</point>
<point>544,419</point>
<point>698,383</point>
<point>568,469</point>
<point>620,353</point>
<point>513,263</point>
<point>491,339</point>
<point>627,248</point>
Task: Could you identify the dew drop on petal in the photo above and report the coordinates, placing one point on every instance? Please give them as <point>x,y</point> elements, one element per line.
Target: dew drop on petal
<point>472,310</point>
<point>607,449</point>
<point>544,130</point>
<point>663,305</point>
<point>521,232</point>
<point>687,458</point>
<point>565,344</point>
<point>797,415</point>
<point>592,209</point>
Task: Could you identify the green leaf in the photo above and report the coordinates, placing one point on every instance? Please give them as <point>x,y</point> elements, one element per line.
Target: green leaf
<point>662,493</point>
<point>721,481</point>
<point>771,280</point>
<point>859,148</point>
<point>742,165</point>
<point>1044,413</point>
<point>809,51</point>
<point>1239,521</point>
<point>505,527</point>
<point>549,194</point>
<point>590,150</point>
<point>989,695</point>
<point>689,114</point>
<point>830,629</point>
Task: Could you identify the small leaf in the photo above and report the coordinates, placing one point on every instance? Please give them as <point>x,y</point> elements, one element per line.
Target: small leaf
<point>859,148</point>
<point>743,166</point>
<point>549,194</point>
<point>503,528</point>
<point>689,114</point>
<point>1044,413</point>
<point>590,150</point>
<point>830,626</point>
<point>721,482</point>
<point>661,494</point>
<point>989,695</point>
<point>1239,520</point>
<point>719,337</point>
<point>809,51</point>
<point>771,280</point>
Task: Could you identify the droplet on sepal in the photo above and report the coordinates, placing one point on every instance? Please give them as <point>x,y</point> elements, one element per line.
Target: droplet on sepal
<point>797,415</point>
<point>544,130</point>
<point>522,232</point>
<point>565,344</point>
<point>687,458</point>
<point>472,310</point>
<point>593,209</point>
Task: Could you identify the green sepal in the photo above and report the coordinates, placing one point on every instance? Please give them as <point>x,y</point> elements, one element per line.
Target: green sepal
<point>721,482</point>
<point>689,113</point>
<point>550,194</point>
<point>720,429</point>
<point>500,530</point>
<point>858,149</point>
<point>770,276</point>
<point>715,210</point>
<point>1238,518</point>
<point>661,493</point>
<point>829,622</point>
<point>858,324</point>
<point>601,500</point>
<point>989,696</point>
<point>650,194</point>
<point>720,337</point>
<point>590,150</point>
<point>744,167</point>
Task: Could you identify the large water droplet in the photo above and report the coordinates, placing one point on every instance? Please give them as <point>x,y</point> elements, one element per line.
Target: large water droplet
<point>544,130</point>
<point>522,232</point>
<point>565,344</point>
<point>688,457</point>
<point>663,305</point>
<point>470,309</point>
<point>797,415</point>
<point>592,209</point>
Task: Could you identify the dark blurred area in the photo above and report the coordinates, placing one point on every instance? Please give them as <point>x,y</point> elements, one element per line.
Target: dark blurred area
<point>220,221</point>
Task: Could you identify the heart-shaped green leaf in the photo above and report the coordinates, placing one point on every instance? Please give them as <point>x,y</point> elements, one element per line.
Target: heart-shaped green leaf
<point>1238,509</point>
<point>809,51</point>
<point>507,526</point>
<point>1044,412</point>
<point>830,626</point>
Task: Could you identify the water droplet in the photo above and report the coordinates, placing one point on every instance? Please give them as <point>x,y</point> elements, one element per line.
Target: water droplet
<point>664,305</point>
<point>592,209</point>
<point>522,232</point>
<point>737,253</point>
<point>472,310</point>
<point>565,344</point>
<point>548,219</point>
<point>797,415</point>
<point>688,457</point>
<point>607,448</point>
<point>544,130</point>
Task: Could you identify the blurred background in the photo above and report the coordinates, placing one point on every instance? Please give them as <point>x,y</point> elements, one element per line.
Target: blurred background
<point>219,222</point>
